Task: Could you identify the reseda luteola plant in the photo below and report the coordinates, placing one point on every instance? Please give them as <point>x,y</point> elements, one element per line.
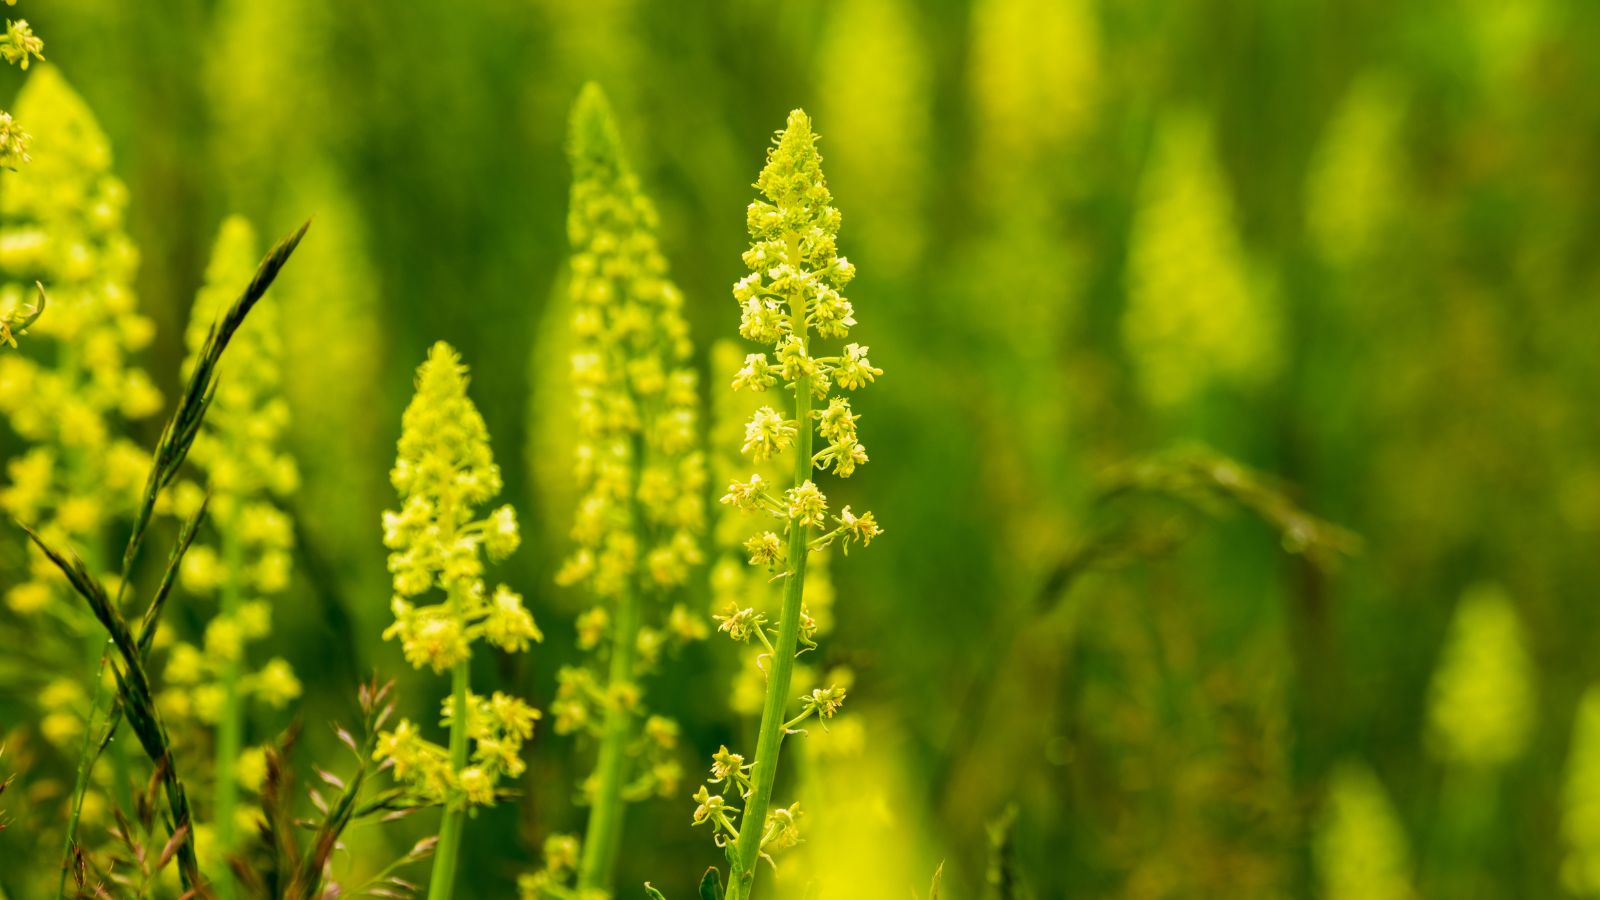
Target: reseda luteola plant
<point>445,473</point>
<point>793,291</point>
<point>247,559</point>
<point>641,477</point>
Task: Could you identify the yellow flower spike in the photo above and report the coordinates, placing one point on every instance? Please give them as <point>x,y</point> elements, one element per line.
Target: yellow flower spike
<point>792,299</point>
<point>446,476</point>
<point>639,470</point>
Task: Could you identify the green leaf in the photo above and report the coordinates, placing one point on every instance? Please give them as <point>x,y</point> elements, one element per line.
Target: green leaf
<point>651,892</point>
<point>711,885</point>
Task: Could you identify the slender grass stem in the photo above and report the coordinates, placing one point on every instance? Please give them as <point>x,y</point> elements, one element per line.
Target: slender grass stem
<point>80,782</point>
<point>606,815</point>
<point>442,883</point>
<point>746,852</point>
<point>230,726</point>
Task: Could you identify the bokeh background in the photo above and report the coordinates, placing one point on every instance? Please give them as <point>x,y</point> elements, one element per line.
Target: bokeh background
<point>1348,245</point>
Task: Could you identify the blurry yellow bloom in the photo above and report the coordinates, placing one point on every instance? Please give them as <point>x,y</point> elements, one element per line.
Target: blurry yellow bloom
<point>1580,816</point>
<point>28,597</point>
<point>1361,850</point>
<point>1196,315</point>
<point>276,684</point>
<point>1035,78</point>
<point>1354,191</point>
<point>1481,702</point>
<point>252,768</point>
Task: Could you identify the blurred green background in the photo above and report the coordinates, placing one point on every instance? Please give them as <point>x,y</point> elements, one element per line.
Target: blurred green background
<point>1350,245</point>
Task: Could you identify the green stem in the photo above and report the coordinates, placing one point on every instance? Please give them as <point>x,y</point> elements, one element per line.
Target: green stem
<point>99,657</point>
<point>97,651</point>
<point>230,727</point>
<point>446,859</point>
<point>606,814</point>
<point>746,851</point>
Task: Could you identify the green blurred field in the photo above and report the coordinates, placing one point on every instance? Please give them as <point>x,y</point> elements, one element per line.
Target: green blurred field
<point>1348,245</point>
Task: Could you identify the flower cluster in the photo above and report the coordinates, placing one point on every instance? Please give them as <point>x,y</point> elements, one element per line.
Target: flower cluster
<point>741,574</point>
<point>444,474</point>
<point>19,46</point>
<point>639,467</point>
<point>561,853</point>
<point>70,391</point>
<point>794,290</point>
<point>497,727</point>
<point>193,674</point>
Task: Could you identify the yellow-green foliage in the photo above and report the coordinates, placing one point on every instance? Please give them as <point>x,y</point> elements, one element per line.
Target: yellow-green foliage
<point>1481,702</point>
<point>1195,315</point>
<point>1353,193</point>
<point>876,78</point>
<point>444,473</point>
<point>1580,817</point>
<point>240,453</point>
<point>1361,851</point>
<point>61,224</point>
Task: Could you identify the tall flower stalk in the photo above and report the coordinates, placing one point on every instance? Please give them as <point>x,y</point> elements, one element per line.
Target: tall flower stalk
<point>791,295</point>
<point>444,474</point>
<point>248,560</point>
<point>641,474</point>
